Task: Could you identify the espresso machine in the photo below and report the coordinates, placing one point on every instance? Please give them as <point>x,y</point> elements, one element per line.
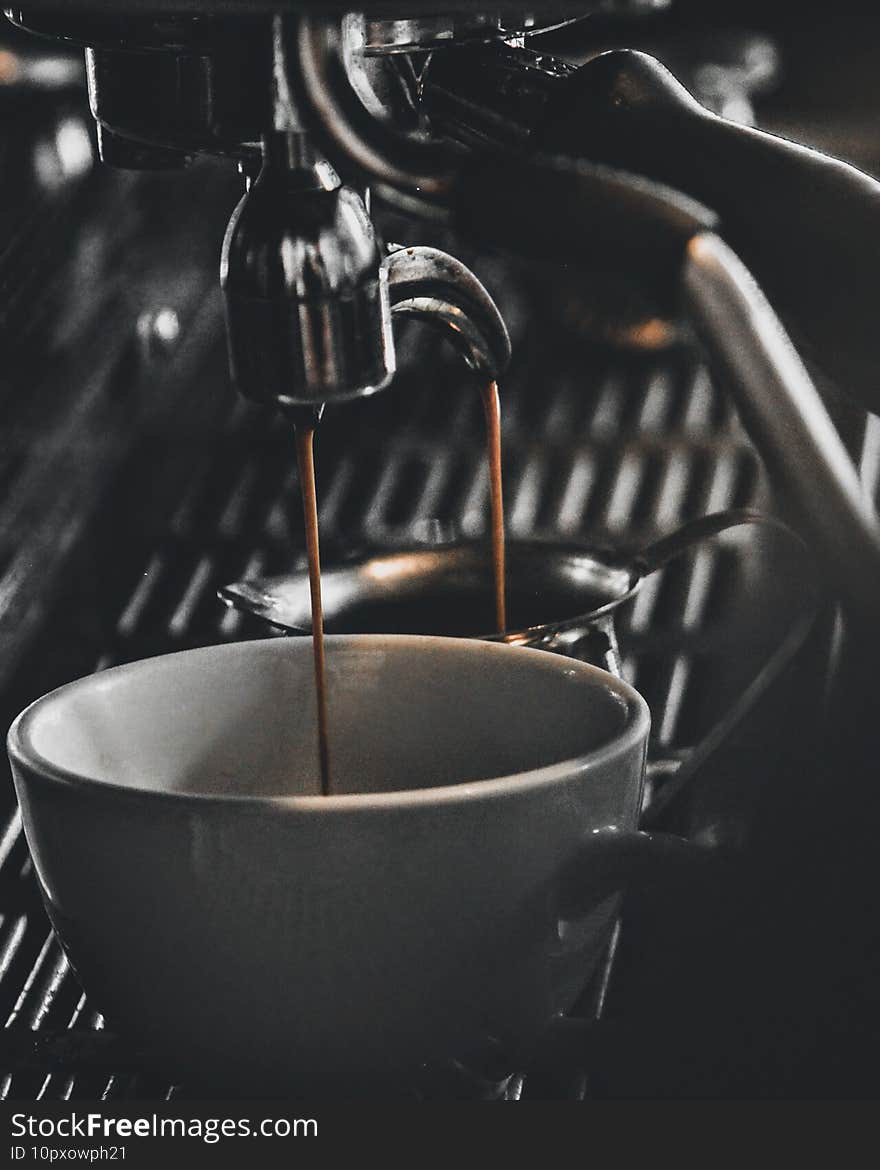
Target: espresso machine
<point>356,177</point>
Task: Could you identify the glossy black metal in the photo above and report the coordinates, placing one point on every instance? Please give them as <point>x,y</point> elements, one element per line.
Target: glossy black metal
<point>172,30</point>
<point>495,96</point>
<point>194,84</point>
<point>127,154</point>
<point>217,103</point>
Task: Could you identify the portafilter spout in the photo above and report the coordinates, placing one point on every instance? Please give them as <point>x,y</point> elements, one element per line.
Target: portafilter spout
<point>309,295</point>
<point>305,285</point>
<point>440,290</point>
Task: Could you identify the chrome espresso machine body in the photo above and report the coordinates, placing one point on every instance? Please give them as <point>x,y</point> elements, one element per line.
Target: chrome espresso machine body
<point>626,230</point>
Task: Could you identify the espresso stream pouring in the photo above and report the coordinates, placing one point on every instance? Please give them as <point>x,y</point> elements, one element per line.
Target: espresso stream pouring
<point>434,287</point>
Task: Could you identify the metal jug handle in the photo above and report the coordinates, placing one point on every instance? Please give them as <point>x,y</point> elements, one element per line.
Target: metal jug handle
<point>655,557</point>
<point>658,554</point>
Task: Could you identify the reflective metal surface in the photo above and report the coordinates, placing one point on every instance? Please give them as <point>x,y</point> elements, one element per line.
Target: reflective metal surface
<point>434,287</point>
<point>307,309</point>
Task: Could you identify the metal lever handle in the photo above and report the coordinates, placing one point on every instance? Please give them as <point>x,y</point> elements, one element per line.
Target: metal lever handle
<point>435,287</point>
<point>803,222</point>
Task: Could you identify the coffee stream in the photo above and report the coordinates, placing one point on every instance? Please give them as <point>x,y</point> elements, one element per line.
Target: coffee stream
<point>492,407</point>
<point>305,458</point>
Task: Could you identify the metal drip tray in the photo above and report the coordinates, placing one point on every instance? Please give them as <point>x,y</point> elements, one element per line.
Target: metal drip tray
<point>604,450</point>
<point>172,487</point>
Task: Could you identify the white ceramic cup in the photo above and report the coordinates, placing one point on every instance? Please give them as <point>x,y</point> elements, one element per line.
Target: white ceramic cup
<point>229,917</point>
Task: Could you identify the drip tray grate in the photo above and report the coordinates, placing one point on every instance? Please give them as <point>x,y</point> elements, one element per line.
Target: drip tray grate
<point>625,450</point>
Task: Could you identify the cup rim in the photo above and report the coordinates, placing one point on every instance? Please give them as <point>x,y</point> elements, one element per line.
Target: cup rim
<point>636,726</point>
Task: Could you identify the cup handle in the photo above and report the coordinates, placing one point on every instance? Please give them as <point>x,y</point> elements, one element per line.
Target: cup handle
<point>612,859</point>
<point>659,554</point>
